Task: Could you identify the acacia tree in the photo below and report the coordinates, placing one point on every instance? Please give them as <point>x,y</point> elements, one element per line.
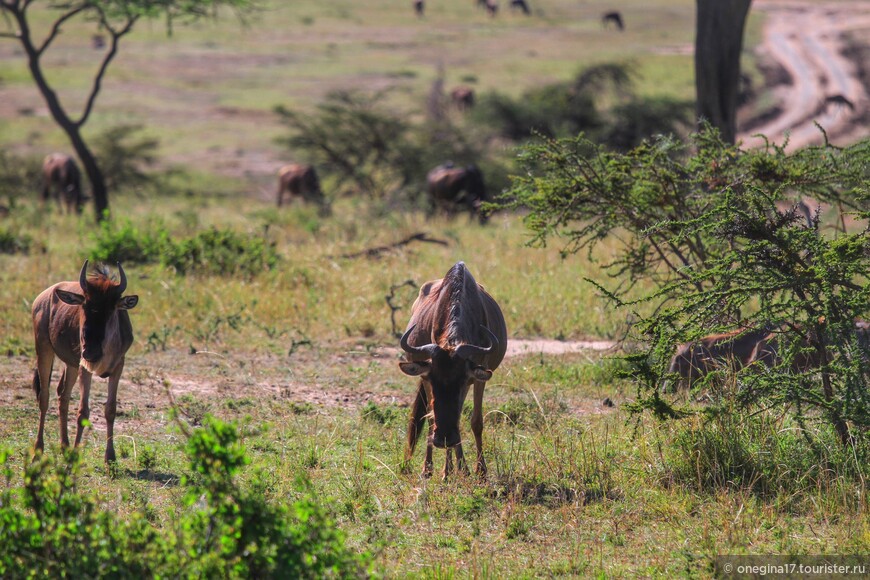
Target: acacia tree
<point>114,18</point>
<point>719,29</point>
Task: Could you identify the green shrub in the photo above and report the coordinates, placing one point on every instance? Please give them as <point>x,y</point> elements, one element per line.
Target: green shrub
<point>13,243</point>
<point>51,527</point>
<point>211,251</point>
<point>221,252</point>
<point>123,158</point>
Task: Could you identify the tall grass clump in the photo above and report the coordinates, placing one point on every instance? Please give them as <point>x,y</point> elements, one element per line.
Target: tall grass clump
<point>53,526</point>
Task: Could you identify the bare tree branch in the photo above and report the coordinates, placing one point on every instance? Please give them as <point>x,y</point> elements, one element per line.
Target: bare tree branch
<point>55,29</point>
<point>107,59</point>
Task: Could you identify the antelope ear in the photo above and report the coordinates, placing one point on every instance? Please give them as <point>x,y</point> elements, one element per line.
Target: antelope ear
<point>128,302</point>
<point>415,369</point>
<point>481,374</point>
<point>70,298</point>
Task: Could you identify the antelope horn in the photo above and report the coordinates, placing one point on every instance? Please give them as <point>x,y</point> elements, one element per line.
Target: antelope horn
<point>428,349</point>
<point>83,277</point>
<point>123,284</point>
<point>469,350</point>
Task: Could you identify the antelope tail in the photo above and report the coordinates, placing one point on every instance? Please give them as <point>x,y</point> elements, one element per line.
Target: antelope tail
<point>419,411</point>
<point>36,383</point>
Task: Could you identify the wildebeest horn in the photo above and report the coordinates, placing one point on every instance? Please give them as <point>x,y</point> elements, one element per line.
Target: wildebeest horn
<point>428,349</point>
<point>468,350</point>
<point>123,284</point>
<point>83,277</point>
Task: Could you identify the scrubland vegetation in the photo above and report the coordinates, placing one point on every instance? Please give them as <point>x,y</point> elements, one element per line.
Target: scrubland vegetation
<point>262,417</point>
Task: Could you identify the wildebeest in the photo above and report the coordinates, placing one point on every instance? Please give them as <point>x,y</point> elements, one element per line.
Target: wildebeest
<point>61,175</point>
<point>613,16</point>
<point>453,187</point>
<point>521,4</point>
<point>419,7</point>
<point>491,6</point>
<point>462,97</point>
<point>839,100</point>
<point>806,356</point>
<point>695,359</point>
<point>456,336</point>
<point>85,323</point>
<point>300,180</point>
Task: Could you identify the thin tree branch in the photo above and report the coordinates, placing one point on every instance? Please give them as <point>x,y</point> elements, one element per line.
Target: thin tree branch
<point>107,59</point>
<point>55,29</point>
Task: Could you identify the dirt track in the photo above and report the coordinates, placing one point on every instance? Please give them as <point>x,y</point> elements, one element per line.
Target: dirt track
<point>807,39</point>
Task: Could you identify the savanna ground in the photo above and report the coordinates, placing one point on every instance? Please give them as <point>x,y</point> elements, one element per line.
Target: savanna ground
<point>304,355</point>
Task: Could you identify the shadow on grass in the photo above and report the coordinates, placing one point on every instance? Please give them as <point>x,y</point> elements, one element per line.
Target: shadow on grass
<point>167,479</point>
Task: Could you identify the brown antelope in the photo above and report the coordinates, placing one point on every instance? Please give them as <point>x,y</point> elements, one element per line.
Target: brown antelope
<point>86,325</point>
<point>693,360</point>
<point>453,187</point>
<point>61,175</point>
<point>300,180</point>
<point>462,97</point>
<point>456,337</point>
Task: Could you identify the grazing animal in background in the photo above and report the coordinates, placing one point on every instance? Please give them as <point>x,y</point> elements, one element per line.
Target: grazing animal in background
<point>300,180</point>
<point>462,97</point>
<point>419,7</point>
<point>491,7</point>
<point>840,100</point>
<point>86,325</point>
<point>521,4</point>
<point>613,16</point>
<point>807,358</point>
<point>695,359</point>
<point>456,337</point>
<point>98,41</point>
<point>453,187</point>
<point>61,175</point>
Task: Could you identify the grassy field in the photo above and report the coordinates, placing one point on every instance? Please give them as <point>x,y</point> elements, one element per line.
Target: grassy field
<point>304,356</point>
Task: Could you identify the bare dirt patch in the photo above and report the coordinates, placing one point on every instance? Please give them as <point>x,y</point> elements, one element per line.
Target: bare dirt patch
<point>811,72</point>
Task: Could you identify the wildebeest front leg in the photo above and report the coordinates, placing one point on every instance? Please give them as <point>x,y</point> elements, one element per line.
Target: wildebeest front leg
<point>44,362</point>
<point>84,404</point>
<point>477,426</point>
<point>110,410</point>
<point>64,391</point>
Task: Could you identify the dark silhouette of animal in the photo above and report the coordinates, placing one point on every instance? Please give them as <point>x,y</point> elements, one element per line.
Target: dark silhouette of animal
<point>86,325</point>
<point>462,97</point>
<point>693,360</point>
<point>806,356</point>
<point>521,5</point>
<point>98,41</point>
<point>61,175</point>
<point>840,100</point>
<point>419,7</point>
<point>491,6</point>
<point>299,180</point>
<point>456,337</point>
<point>452,187</point>
<point>613,16</point>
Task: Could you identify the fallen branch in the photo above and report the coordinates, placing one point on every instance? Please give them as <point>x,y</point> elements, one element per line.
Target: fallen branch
<point>377,251</point>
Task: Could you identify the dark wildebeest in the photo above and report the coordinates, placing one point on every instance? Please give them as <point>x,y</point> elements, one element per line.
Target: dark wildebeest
<point>521,4</point>
<point>462,97</point>
<point>61,175</point>
<point>85,323</point>
<point>300,180</point>
<point>806,357</point>
<point>695,359</point>
<point>839,100</point>
<point>491,6</point>
<point>613,16</point>
<point>419,7</point>
<point>456,337</point>
<point>452,187</point>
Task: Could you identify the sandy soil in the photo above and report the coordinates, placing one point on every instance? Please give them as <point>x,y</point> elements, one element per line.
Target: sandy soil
<point>807,40</point>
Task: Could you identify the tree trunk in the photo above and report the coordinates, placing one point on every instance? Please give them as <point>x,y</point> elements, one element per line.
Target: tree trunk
<point>718,44</point>
<point>72,129</point>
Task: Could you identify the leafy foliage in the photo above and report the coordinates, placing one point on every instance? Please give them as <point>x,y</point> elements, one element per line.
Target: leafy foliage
<point>711,231</point>
<point>51,527</point>
<point>213,251</point>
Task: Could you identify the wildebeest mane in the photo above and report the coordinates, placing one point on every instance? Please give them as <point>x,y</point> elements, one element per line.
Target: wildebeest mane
<point>100,280</point>
<point>459,289</point>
